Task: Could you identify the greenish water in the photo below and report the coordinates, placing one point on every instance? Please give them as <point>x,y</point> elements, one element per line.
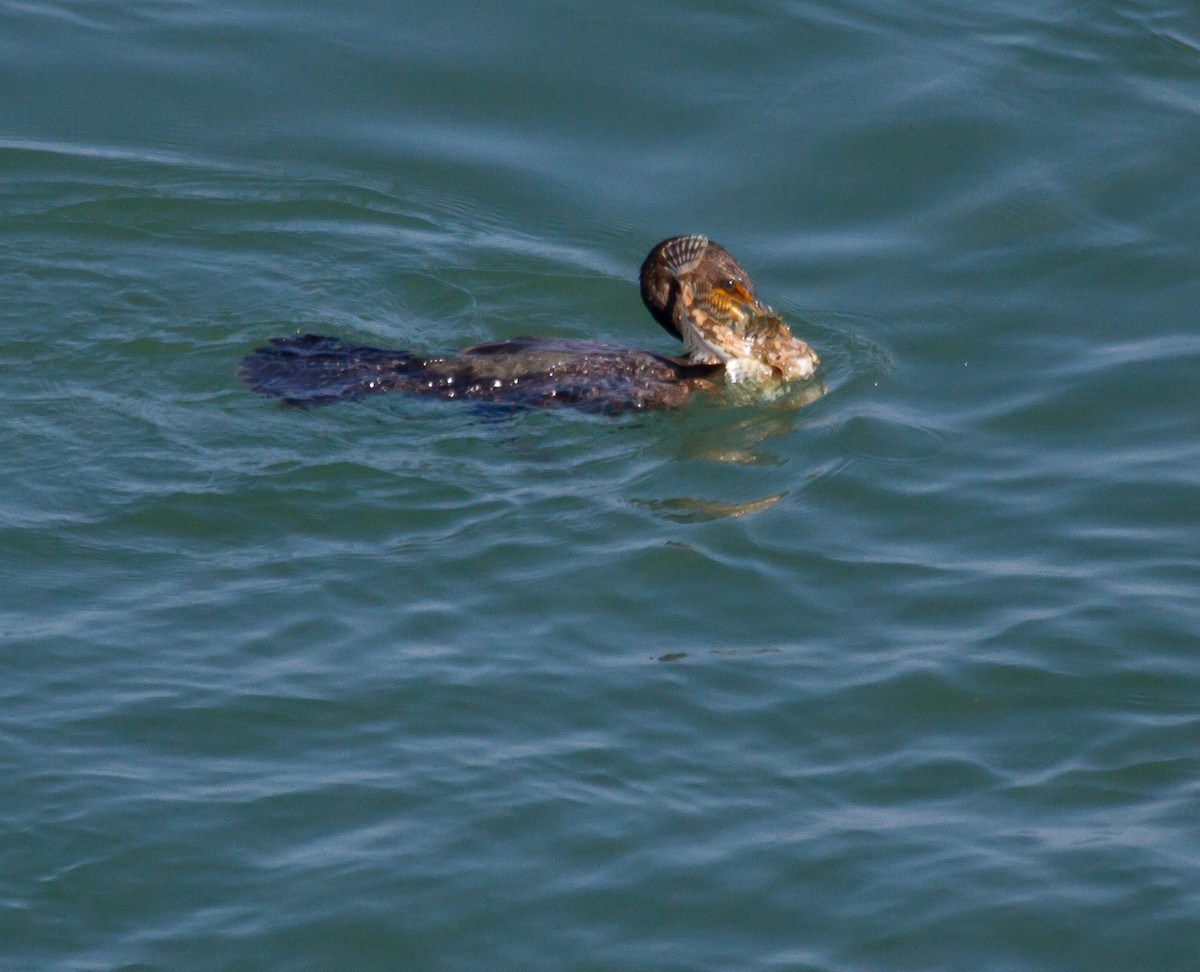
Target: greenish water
<point>907,678</point>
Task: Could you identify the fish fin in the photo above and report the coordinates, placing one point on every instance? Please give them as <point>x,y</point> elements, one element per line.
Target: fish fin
<point>682,254</point>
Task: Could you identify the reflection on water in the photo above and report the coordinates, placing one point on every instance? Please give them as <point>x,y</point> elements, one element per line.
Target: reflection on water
<point>685,509</point>
<point>738,431</point>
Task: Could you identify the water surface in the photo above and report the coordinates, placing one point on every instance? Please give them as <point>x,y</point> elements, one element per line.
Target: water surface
<point>905,678</point>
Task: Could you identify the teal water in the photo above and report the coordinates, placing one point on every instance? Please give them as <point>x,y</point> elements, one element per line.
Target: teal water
<point>906,678</point>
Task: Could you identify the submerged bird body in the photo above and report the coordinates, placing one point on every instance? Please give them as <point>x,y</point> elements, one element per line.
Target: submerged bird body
<point>693,288</point>
<point>309,369</point>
